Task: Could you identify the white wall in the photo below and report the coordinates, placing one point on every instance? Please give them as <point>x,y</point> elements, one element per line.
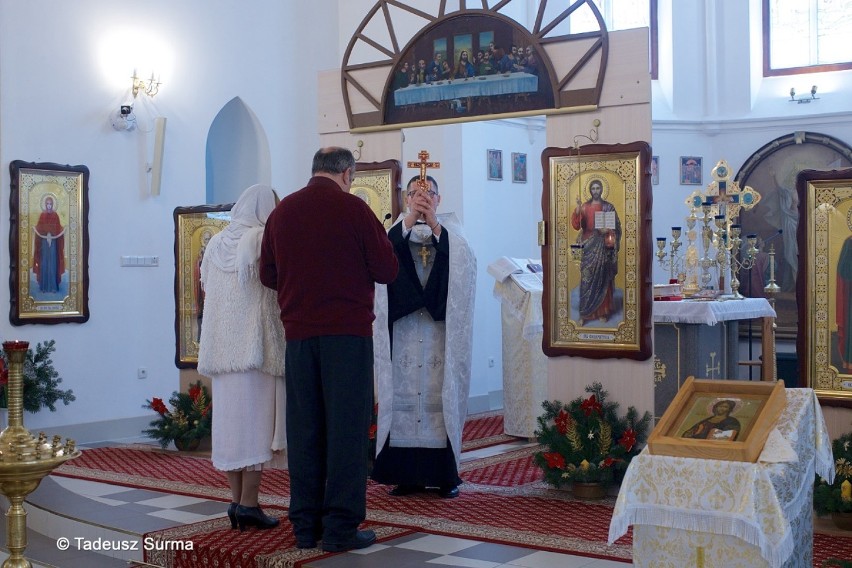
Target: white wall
<point>501,220</point>
<point>58,85</point>
<point>60,78</point>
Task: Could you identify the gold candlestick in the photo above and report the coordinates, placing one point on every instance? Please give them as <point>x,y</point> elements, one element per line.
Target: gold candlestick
<point>24,460</point>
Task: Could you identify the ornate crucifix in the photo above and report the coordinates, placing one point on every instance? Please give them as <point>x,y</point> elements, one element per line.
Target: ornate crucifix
<point>727,194</point>
<point>423,184</point>
<point>422,165</point>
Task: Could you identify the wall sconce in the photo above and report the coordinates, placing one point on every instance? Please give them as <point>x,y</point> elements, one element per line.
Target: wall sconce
<point>803,99</point>
<point>150,87</point>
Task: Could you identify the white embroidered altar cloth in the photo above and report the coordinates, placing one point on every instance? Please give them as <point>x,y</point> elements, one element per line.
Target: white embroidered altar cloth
<point>524,362</point>
<point>711,313</point>
<point>764,508</point>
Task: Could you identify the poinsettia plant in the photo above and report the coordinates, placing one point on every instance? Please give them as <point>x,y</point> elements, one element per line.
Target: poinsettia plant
<point>837,496</point>
<point>586,441</point>
<point>189,418</point>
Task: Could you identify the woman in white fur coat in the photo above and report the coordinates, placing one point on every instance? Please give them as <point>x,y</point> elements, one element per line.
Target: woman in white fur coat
<point>242,351</point>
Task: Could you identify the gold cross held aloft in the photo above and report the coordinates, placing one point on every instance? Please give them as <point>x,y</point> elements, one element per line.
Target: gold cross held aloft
<point>422,165</point>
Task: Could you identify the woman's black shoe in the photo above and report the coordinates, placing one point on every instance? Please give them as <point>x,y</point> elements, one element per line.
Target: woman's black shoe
<point>254,517</point>
<point>232,514</point>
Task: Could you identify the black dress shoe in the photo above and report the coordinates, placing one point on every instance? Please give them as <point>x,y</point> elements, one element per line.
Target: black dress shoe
<point>361,539</point>
<point>232,514</point>
<point>403,490</point>
<point>448,492</point>
<point>254,517</point>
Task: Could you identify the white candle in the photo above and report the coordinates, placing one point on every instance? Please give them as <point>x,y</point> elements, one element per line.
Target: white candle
<point>157,163</point>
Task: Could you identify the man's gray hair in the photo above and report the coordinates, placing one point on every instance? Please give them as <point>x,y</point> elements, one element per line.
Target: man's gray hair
<point>333,161</point>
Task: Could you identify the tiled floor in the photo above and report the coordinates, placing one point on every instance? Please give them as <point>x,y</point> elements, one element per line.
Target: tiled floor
<point>89,514</point>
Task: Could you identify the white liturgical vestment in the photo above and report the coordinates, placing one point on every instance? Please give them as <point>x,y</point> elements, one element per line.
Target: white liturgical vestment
<point>423,391</point>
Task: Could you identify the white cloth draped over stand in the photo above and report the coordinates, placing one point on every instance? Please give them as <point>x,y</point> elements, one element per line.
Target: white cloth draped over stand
<point>737,513</point>
<point>524,363</point>
<point>711,313</point>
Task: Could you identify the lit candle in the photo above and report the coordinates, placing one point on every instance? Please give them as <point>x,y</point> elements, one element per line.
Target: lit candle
<point>846,491</point>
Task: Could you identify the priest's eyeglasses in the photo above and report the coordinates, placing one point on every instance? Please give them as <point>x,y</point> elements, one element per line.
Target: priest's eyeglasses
<point>431,192</point>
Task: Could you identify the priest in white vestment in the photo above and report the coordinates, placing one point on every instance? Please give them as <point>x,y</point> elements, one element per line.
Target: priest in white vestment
<point>423,337</point>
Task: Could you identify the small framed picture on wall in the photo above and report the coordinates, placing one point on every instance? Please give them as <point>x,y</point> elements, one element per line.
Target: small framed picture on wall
<point>519,167</point>
<point>690,170</point>
<point>655,170</point>
<point>495,164</point>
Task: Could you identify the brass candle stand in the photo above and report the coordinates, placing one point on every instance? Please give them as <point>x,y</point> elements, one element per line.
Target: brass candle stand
<point>677,273</point>
<point>690,261</point>
<point>707,236</point>
<point>24,459</point>
<point>741,258</point>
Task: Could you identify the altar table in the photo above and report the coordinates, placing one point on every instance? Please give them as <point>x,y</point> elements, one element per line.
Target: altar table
<point>701,339</point>
<point>708,513</point>
<point>485,85</point>
<point>524,363</point>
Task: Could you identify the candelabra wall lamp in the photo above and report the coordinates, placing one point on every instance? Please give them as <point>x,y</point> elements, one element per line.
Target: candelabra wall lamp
<point>124,119</point>
<point>803,99</point>
<point>151,87</point>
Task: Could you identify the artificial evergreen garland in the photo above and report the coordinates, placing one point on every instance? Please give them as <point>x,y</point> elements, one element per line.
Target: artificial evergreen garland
<point>829,498</point>
<point>586,441</point>
<point>40,380</point>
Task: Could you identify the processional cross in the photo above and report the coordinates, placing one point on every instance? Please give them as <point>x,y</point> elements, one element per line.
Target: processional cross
<point>422,165</point>
<point>423,184</point>
<point>727,195</point>
<point>729,199</point>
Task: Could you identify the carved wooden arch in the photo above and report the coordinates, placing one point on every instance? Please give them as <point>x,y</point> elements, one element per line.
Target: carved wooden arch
<point>365,85</point>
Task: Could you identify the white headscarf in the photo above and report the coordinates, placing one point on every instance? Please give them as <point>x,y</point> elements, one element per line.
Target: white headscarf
<point>237,247</point>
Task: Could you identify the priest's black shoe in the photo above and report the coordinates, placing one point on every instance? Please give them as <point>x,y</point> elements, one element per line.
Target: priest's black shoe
<point>232,514</point>
<point>361,539</point>
<point>254,517</point>
<point>448,492</point>
<point>403,490</point>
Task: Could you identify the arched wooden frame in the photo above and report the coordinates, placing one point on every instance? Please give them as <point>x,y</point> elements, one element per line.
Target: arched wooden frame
<point>568,85</point>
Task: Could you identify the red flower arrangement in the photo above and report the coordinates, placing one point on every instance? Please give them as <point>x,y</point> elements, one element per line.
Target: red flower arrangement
<point>189,419</point>
<point>586,441</point>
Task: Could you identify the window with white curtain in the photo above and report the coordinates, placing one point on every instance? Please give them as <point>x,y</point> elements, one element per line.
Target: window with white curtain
<point>806,36</point>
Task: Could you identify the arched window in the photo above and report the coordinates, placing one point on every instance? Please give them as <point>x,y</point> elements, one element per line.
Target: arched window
<point>806,36</point>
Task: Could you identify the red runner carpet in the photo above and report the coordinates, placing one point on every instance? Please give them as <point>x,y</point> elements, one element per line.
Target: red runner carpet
<point>214,543</point>
<point>503,500</point>
<point>484,430</point>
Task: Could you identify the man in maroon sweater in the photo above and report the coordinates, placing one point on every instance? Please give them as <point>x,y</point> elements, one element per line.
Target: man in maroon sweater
<point>323,250</point>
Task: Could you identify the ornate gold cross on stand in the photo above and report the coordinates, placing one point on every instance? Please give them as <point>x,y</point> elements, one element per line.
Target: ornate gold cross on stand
<point>423,183</point>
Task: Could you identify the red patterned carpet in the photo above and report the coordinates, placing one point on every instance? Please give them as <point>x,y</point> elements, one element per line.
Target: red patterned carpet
<point>502,501</point>
<point>483,431</point>
<point>215,544</point>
